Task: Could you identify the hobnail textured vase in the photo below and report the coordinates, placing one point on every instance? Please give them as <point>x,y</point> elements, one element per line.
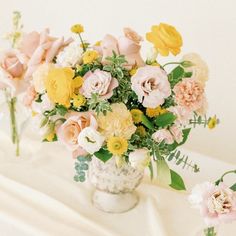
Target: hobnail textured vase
<point>114,186</point>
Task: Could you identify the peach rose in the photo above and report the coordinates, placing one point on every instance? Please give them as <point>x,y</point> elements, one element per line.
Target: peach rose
<point>29,96</point>
<point>100,82</point>
<point>40,47</point>
<point>151,85</point>
<point>189,93</point>
<point>127,45</point>
<point>69,131</point>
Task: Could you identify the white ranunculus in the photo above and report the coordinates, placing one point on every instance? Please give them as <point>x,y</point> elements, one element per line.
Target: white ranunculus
<point>199,69</point>
<point>152,54</point>
<point>70,56</point>
<point>39,76</point>
<point>45,105</point>
<point>90,140</point>
<point>139,159</point>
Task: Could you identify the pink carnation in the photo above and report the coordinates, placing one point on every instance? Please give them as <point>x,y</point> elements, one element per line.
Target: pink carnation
<point>189,94</point>
<point>217,204</point>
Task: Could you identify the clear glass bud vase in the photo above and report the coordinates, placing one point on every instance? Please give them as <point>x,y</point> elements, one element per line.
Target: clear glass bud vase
<point>114,186</point>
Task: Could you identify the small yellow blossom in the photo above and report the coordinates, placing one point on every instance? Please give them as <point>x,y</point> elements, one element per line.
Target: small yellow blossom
<point>212,122</point>
<point>49,137</point>
<point>98,43</point>
<point>77,83</point>
<point>141,131</point>
<point>117,145</point>
<point>153,112</point>
<point>90,56</point>
<point>78,100</point>
<point>133,71</point>
<point>34,113</point>
<point>77,29</point>
<point>136,115</point>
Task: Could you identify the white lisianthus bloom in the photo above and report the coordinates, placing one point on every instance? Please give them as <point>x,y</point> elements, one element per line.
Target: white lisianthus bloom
<point>45,105</point>
<point>70,56</point>
<point>90,140</point>
<point>152,54</point>
<point>39,76</point>
<point>199,69</point>
<point>139,159</point>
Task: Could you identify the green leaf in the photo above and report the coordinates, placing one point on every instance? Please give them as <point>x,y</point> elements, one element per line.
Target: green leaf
<point>165,119</point>
<point>103,154</point>
<point>150,166</point>
<point>163,172</point>
<point>233,187</point>
<point>62,110</point>
<point>147,122</point>
<point>176,75</point>
<point>177,182</point>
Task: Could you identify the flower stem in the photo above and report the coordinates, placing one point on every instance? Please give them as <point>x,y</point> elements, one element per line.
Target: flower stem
<point>210,231</point>
<point>82,42</point>
<point>221,179</point>
<point>172,63</point>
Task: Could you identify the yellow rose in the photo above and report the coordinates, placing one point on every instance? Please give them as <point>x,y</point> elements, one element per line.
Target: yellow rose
<point>165,39</point>
<point>59,85</point>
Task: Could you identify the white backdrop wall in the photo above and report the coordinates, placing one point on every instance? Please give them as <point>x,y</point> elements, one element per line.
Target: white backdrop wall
<point>208,27</point>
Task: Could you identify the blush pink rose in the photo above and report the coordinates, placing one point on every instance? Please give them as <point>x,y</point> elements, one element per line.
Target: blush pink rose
<point>69,131</point>
<point>127,45</point>
<point>40,48</point>
<point>189,94</point>
<point>163,135</point>
<point>177,133</point>
<point>151,85</point>
<point>182,115</point>
<point>217,204</point>
<point>29,96</point>
<point>100,82</point>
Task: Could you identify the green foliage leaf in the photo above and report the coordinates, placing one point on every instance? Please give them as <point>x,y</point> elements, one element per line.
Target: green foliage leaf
<point>233,187</point>
<point>176,75</point>
<point>103,154</point>
<point>150,166</point>
<point>147,122</point>
<point>61,110</point>
<point>163,172</point>
<point>177,182</point>
<point>165,119</point>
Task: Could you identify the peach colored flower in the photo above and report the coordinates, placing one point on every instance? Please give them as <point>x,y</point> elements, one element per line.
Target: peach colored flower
<point>40,47</point>
<point>217,204</point>
<point>127,45</point>
<point>177,133</point>
<point>189,94</point>
<point>69,131</point>
<point>100,82</point>
<point>29,96</point>
<point>163,135</point>
<point>151,85</point>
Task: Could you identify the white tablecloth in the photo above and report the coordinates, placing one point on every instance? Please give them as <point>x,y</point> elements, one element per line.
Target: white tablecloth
<point>38,197</point>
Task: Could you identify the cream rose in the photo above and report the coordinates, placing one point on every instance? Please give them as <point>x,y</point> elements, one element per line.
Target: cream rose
<point>100,82</point>
<point>139,159</point>
<point>151,85</point>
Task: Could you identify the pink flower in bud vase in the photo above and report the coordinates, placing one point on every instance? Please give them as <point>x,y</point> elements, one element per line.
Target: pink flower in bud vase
<point>29,96</point>
<point>40,47</point>
<point>217,204</point>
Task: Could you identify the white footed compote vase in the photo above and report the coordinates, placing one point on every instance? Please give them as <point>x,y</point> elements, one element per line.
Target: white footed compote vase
<point>114,186</point>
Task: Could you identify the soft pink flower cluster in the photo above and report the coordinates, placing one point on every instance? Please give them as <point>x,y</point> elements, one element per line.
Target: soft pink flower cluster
<point>217,204</point>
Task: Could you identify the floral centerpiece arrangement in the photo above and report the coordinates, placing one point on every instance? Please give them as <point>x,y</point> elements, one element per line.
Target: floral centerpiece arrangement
<point>107,104</point>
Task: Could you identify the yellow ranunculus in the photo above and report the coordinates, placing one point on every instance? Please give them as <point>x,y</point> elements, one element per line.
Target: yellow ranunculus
<point>213,121</point>
<point>77,29</point>
<point>136,115</point>
<point>78,100</point>
<point>153,112</point>
<point>165,39</point>
<point>59,85</point>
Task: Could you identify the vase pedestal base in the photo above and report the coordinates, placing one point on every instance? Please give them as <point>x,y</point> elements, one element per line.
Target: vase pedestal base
<point>115,203</point>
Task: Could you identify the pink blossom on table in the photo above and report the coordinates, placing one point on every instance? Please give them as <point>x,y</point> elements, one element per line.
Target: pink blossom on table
<point>177,133</point>
<point>217,204</point>
<point>151,85</point>
<point>69,131</point>
<point>163,135</point>
<point>40,48</point>
<point>29,96</point>
<point>100,82</point>
<point>182,114</point>
<point>127,45</point>
<point>189,93</point>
